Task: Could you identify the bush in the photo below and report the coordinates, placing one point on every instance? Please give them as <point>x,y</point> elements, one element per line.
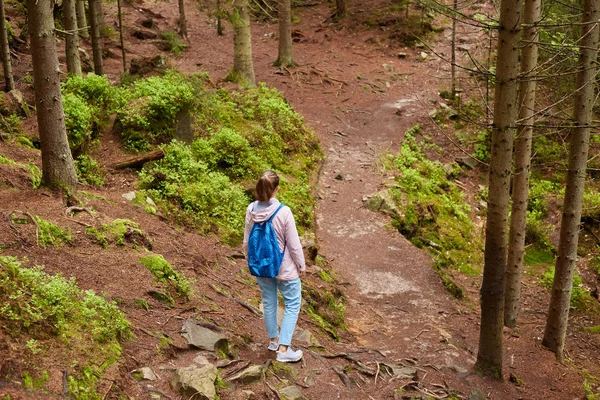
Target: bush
<point>78,122</point>
<point>149,116</point>
<point>164,273</point>
<point>172,42</point>
<point>89,171</point>
<point>36,306</point>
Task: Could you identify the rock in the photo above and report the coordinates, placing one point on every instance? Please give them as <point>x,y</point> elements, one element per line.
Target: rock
<point>145,65</point>
<point>477,394</point>
<point>198,382</point>
<point>306,337</point>
<point>424,56</point>
<point>13,102</point>
<point>467,161</point>
<point>87,65</point>
<point>201,360</point>
<point>248,375</point>
<point>150,201</point>
<point>403,372</point>
<point>402,55</point>
<point>183,126</point>
<point>292,393</point>
<point>310,246</point>
<point>388,67</point>
<point>144,374</point>
<point>144,34</point>
<point>338,176</point>
<point>249,395</point>
<point>203,338</point>
<point>129,196</point>
<point>458,369</point>
<point>383,202</point>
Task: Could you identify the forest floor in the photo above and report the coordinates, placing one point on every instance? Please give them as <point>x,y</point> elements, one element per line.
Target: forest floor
<point>360,97</point>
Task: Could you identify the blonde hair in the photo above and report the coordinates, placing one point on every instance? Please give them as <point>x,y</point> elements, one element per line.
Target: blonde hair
<point>266,185</point>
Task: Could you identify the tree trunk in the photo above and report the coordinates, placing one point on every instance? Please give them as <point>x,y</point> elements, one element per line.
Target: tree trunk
<point>81,20</point>
<point>219,18</point>
<point>71,37</point>
<point>516,242</point>
<point>558,314</point>
<point>243,68</point>
<point>489,356</point>
<point>182,23</point>
<point>340,8</point>
<point>95,28</point>
<point>285,58</point>
<point>58,169</point>
<point>123,55</point>
<point>8,76</point>
<point>453,62</point>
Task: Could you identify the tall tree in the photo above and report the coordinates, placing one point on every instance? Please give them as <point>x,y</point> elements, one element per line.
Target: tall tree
<point>72,37</point>
<point>120,16</point>
<point>558,314</point>
<point>243,67</point>
<point>182,22</point>
<point>285,58</point>
<point>81,20</point>
<point>8,76</point>
<point>58,169</point>
<point>95,7</point>
<point>489,356</point>
<point>518,216</point>
<point>340,8</point>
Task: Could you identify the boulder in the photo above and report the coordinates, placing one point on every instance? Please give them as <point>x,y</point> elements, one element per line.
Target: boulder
<point>306,337</point>
<point>292,393</point>
<point>13,102</point>
<point>248,375</point>
<point>198,382</point>
<point>146,65</point>
<point>144,34</point>
<point>382,202</point>
<point>477,394</point>
<point>203,338</point>
<point>144,374</point>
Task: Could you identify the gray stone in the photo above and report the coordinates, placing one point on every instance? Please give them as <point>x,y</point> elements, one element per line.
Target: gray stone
<point>129,196</point>
<point>150,201</point>
<point>13,102</point>
<point>477,394</point>
<point>248,375</point>
<point>424,56</point>
<point>196,381</point>
<point>249,395</point>
<point>306,337</point>
<point>458,369</point>
<point>292,393</point>
<point>388,67</point>
<point>203,338</point>
<point>144,374</point>
<point>403,372</point>
<point>402,55</point>
<point>183,126</point>
<point>201,360</point>
<point>383,202</point>
<point>467,161</point>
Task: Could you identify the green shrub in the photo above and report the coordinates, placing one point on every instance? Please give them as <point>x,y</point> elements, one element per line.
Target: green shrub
<point>433,211</point>
<point>35,305</point>
<point>483,146</point>
<point>10,125</point>
<point>50,234</point>
<point>164,273</point>
<point>78,122</point>
<point>89,171</point>
<point>172,42</point>
<point>119,231</point>
<point>96,90</point>
<point>152,106</point>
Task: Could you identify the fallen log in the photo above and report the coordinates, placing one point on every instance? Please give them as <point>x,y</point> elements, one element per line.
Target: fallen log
<point>139,161</point>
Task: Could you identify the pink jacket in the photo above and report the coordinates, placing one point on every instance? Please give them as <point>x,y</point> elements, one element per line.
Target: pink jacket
<point>285,230</point>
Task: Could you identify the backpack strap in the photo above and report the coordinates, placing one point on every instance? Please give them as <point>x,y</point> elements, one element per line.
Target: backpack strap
<point>275,213</point>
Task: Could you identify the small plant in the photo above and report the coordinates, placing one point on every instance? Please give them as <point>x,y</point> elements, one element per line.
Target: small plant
<point>164,273</point>
<point>580,298</point>
<point>50,234</point>
<point>119,231</point>
<point>89,170</point>
<point>172,42</point>
<point>10,125</point>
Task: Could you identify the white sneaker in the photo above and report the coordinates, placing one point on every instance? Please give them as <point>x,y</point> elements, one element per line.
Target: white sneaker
<point>290,355</point>
<point>273,346</point>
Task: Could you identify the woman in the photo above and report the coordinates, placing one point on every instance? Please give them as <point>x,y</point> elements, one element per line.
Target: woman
<point>292,267</point>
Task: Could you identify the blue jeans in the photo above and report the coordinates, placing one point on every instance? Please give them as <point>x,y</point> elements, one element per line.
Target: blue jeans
<point>292,298</point>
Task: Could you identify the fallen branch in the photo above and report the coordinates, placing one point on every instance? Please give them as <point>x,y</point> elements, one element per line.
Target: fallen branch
<point>240,302</point>
<point>139,161</point>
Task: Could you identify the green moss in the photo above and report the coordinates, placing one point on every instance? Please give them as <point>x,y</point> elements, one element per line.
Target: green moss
<point>164,273</point>
<point>580,298</point>
<point>51,235</point>
<point>36,306</point>
<point>433,212</point>
<point>534,256</point>
<point>119,232</point>
<point>592,329</point>
<point>326,307</point>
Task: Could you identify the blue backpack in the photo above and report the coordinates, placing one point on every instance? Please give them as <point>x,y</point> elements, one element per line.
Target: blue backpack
<point>264,257</point>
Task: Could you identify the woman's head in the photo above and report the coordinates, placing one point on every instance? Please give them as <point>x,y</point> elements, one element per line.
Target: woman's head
<point>267,185</point>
